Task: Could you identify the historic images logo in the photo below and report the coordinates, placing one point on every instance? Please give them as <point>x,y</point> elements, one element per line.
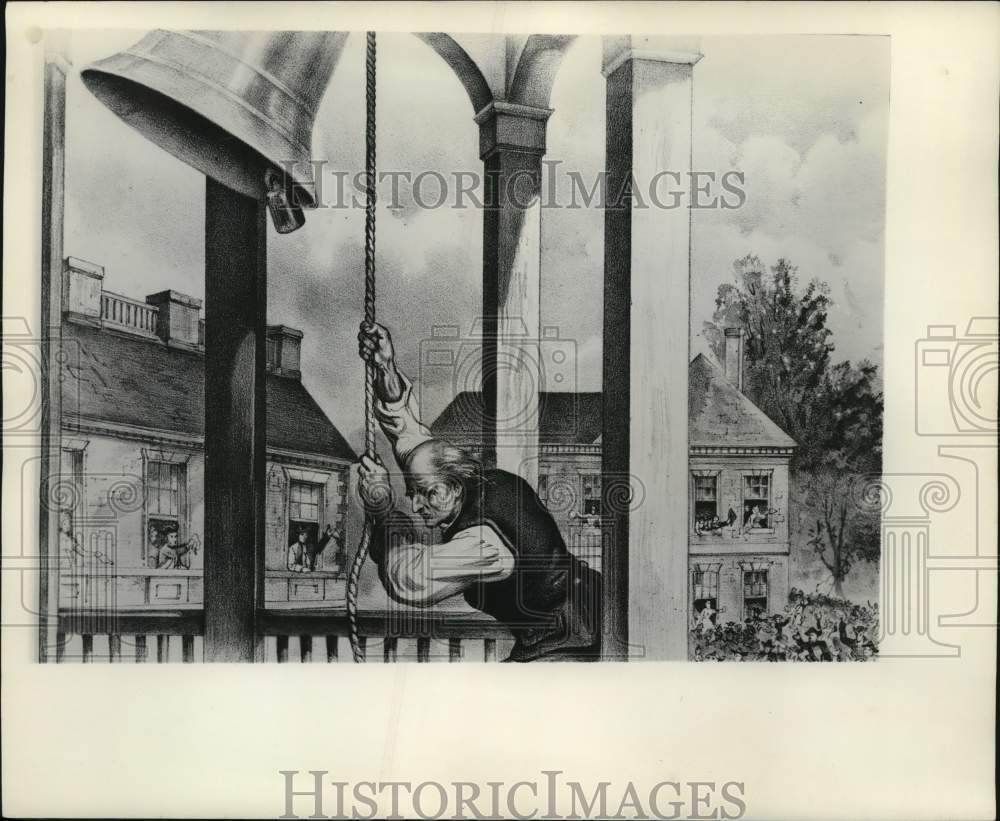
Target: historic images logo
<point>549,186</point>
<point>544,797</point>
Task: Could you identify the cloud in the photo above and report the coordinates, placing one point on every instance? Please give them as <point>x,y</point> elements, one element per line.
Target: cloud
<point>808,128</point>
<point>799,87</point>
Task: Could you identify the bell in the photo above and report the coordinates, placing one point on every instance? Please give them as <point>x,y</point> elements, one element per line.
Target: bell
<point>238,106</point>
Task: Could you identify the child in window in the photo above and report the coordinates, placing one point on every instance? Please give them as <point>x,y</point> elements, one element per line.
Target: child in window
<point>176,556</point>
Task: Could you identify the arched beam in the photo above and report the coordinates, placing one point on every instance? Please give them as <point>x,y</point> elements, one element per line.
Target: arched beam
<point>463,66</point>
<point>536,69</point>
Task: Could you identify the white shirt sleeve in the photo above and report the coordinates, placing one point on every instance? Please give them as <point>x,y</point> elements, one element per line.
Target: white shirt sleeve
<point>421,575</point>
<point>400,423</point>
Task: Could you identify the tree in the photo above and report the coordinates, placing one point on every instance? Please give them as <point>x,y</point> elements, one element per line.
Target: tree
<point>832,411</point>
<point>839,529</point>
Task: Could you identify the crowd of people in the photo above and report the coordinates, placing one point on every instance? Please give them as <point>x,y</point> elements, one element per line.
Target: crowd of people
<point>812,627</point>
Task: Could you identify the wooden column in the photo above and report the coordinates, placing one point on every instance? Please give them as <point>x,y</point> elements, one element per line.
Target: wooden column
<point>53,206</point>
<point>512,143</point>
<point>235,310</point>
<point>646,303</point>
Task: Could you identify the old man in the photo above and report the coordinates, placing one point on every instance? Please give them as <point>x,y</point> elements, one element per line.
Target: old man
<point>500,548</point>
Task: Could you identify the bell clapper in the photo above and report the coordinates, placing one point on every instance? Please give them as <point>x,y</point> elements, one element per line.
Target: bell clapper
<point>285,215</point>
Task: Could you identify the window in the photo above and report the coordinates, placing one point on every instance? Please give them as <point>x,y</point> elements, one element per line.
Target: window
<point>304,504</point>
<point>757,501</point>
<point>543,488</point>
<point>163,489</point>
<point>591,484</point>
<point>754,593</point>
<point>71,498</point>
<point>706,503</point>
<point>165,497</point>
<point>705,593</point>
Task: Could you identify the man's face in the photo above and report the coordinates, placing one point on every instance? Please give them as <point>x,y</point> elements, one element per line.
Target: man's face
<point>433,499</point>
<point>172,539</point>
<point>302,537</point>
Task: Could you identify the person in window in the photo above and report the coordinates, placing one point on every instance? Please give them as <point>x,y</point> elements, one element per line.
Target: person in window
<point>175,555</point>
<point>757,517</point>
<point>74,555</point>
<point>501,549</point>
<point>706,618</point>
<point>302,553</point>
<point>709,523</point>
<point>153,549</point>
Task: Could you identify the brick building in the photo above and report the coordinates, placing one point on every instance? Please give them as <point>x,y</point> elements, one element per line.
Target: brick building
<point>132,462</point>
<point>738,547</point>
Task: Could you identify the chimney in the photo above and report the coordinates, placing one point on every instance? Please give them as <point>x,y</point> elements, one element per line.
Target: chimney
<point>284,351</point>
<point>81,290</point>
<point>178,317</point>
<point>734,357</point>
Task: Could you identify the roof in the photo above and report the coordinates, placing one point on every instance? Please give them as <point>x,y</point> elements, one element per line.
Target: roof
<point>566,418</point>
<point>125,379</point>
<point>719,415</point>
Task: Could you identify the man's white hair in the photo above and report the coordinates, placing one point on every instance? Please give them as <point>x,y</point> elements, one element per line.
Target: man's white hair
<point>448,463</point>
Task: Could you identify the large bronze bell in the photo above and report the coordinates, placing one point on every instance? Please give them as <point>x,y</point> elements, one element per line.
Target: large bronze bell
<point>238,106</point>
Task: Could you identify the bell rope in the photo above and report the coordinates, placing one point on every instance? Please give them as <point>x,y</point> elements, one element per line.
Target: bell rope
<point>366,536</point>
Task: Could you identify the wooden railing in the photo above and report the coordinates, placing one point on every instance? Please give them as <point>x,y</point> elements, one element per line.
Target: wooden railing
<point>307,636</point>
<point>128,313</point>
<point>387,637</point>
<point>116,636</point>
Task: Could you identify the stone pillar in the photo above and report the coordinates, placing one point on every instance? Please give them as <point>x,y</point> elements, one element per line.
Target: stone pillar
<point>646,298</point>
<point>56,67</point>
<point>512,143</point>
<point>235,401</point>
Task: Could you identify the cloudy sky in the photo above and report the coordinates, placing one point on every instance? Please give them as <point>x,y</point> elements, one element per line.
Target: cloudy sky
<point>804,118</point>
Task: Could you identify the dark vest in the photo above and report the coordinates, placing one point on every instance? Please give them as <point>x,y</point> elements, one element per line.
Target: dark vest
<point>551,599</point>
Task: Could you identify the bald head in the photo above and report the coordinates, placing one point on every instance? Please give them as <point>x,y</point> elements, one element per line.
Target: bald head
<point>437,475</point>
